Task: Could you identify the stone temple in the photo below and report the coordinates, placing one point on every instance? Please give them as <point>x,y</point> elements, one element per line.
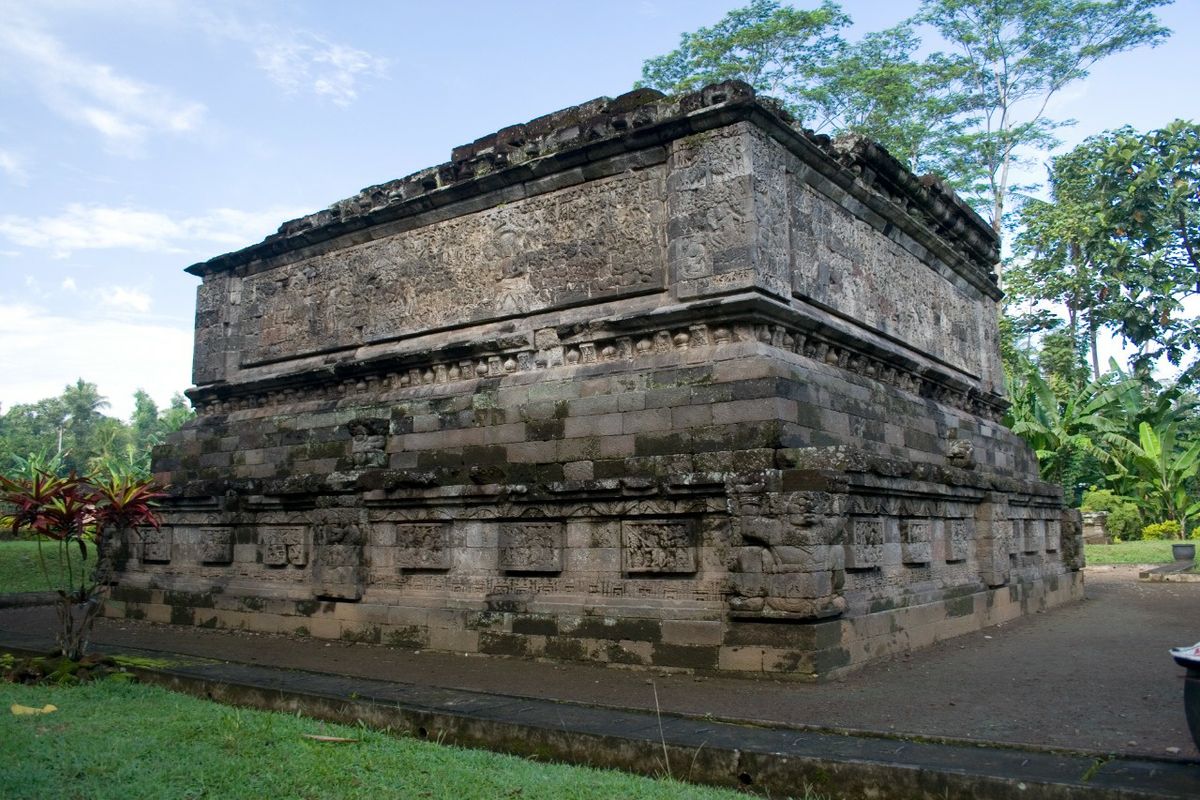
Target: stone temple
<point>648,381</point>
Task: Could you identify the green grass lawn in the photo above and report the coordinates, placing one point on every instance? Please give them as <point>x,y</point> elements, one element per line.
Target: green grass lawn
<point>19,567</point>
<point>126,741</point>
<point>1153,552</point>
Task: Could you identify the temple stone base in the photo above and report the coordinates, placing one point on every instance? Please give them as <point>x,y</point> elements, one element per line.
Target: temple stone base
<point>661,382</point>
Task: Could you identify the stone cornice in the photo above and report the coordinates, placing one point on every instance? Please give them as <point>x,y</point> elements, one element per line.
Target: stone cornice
<point>508,164</point>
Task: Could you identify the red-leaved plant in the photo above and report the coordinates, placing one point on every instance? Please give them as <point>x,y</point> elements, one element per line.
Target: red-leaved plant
<point>78,512</point>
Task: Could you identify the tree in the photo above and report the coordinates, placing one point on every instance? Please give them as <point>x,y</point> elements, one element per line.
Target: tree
<point>773,48</point>
<point>83,403</point>
<point>1166,468</point>
<point>1017,54</point>
<point>1118,243</point>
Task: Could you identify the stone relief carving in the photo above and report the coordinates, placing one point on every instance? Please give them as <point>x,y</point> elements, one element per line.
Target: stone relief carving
<point>283,545</point>
<point>156,545</point>
<point>658,546</point>
<point>338,542</point>
<point>423,545</point>
<point>216,545</point>
<point>993,540</point>
<point>368,438</point>
<point>1071,539</point>
<point>916,541</point>
<point>531,546</point>
<point>958,538</point>
<point>864,550</point>
<point>788,557</point>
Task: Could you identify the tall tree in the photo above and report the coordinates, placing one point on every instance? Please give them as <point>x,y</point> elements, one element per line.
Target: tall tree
<point>772,47</point>
<point>1017,54</point>
<point>1118,243</point>
<point>83,403</point>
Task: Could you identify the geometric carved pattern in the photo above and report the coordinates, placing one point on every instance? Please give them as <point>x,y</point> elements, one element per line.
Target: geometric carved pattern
<point>423,545</point>
<point>915,547</point>
<point>283,545</point>
<point>865,549</point>
<point>156,545</point>
<point>959,534</point>
<point>658,546</point>
<point>216,545</point>
<point>531,546</point>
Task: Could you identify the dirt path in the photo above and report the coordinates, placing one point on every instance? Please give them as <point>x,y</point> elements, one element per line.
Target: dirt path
<point>1092,676</point>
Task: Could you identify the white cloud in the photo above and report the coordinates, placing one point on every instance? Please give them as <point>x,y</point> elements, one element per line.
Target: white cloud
<point>13,166</point>
<point>119,299</point>
<point>94,227</point>
<point>123,110</point>
<point>68,285</point>
<point>116,354</point>
<point>299,60</point>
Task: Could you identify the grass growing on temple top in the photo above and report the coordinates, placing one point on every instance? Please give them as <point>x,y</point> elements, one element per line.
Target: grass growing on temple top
<point>19,567</point>
<point>121,741</point>
<point>1148,552</point>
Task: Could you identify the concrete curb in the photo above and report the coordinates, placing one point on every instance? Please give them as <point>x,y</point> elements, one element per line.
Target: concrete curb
<point>776,761</point>
<point>23,599</point>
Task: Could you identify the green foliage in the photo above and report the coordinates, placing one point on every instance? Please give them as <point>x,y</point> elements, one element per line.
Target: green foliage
<point>1124,517</point>
<point>1129,553</point>
<point>1118,243</point>
<point>1017,54</point>
<point>159,744</point>
<point>1161,530</point>
<point>964,115</point>
<point>1165,468</point>
<point>77,513</point>
<point>69,432</point>
<point>21,564</point>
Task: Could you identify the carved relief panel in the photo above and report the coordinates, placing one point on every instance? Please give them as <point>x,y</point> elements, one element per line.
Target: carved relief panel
<point>338,542</point>
<point>788,561</point>
<point>658,546</point>
<point>423,545</point>
<point>216,545</point>
<point>864,550</point>
<point>916,547</point>
<point>531,546</point>
<point>156,545</point>
<point>283,545</point>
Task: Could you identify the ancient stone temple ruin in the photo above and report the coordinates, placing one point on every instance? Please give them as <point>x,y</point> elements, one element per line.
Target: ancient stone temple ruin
<point>647,381</point>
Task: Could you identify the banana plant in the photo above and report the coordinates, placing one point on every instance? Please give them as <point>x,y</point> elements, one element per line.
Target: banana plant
<point>1166,469</point>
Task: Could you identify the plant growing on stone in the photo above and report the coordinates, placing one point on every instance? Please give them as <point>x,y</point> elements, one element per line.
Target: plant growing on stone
<point>78,514</point>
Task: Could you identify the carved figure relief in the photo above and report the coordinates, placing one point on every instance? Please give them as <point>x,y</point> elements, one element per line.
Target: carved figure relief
<point>993,540</point>
<point>156,545</point>
<point>216,545</point>
<point>1053,535</point>
<point>916,546</point>
<point>865,548</point>
<point>789,558</point>
<point>423,545</point>
<point>958,539</point>
<point>531,546</point>
<point>338,562</point>
<point>658,546</point>
<point>368,438</point>
<point>283,545</point>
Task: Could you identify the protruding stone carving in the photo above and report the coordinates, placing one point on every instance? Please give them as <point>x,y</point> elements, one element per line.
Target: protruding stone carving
<point>1072,539</point>
<point>423,545</point>
<point>338,557</point>
<point>993,540</point>
<point>283,545</point>
<point>865,548</point>
<point>1053,535</point>
<point>156,545</point>
<point>958,538</point>
<point>658,546</point>
<point>789,562</point>
<point>368,437</point>
<point>915,542</point>
<point>531,546</point>
<point>216,545</point>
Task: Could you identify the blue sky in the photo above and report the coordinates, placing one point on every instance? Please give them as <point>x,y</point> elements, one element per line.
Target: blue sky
<point>140,136</point>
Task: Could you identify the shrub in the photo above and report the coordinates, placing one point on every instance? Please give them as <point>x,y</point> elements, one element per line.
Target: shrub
<point>1124,517</point>
<point>1161,530</point>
